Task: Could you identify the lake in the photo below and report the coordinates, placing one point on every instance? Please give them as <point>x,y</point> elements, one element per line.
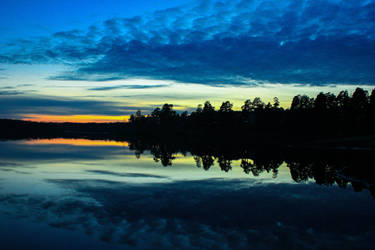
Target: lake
<point>97,194</point>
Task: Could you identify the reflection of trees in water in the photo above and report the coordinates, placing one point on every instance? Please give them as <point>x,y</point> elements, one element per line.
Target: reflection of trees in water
<point>162,154</point>
<point>320,171</point>
<point>205,160</point>
<point>325,169</point>
<point>339,171</point>
<point>225,164</point>
<point>258,166</point>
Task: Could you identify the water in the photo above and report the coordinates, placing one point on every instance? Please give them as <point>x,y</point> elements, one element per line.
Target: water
<point>77,193</point>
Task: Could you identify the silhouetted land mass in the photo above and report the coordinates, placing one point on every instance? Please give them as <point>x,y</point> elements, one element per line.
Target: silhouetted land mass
<point>324,121</point>
<point>18,129</point>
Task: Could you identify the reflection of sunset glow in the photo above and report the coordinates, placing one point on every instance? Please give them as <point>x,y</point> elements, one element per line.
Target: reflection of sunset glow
<point>77,142</point>
<point>74,118</point>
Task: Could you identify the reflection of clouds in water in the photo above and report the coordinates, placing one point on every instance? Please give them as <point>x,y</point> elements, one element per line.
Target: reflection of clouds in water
<point>13,170</point>
<point>212,213</point>
<point>9,167</point>
<point>133,175</point>
<point>9,164</point>
<point>14,167</point>
<point>17,151</point>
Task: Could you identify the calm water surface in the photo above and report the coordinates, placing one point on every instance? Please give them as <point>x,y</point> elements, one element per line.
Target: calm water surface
<point>75,194</point>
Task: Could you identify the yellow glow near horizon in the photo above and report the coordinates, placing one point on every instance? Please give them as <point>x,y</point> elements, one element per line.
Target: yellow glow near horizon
<point>184,96</point>
<point>75,118</point>
<point>76,142</point>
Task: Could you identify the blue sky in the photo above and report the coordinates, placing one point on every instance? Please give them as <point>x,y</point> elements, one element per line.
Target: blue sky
<point>20,18</point>
<point>139,54</point>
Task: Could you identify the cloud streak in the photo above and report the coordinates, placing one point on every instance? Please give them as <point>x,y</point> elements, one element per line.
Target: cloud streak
<point>218,43</point>
<point>19,104</point>
<point>10,92</point>
<point>105,88</point>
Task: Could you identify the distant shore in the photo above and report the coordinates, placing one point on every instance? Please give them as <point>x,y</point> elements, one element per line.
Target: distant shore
<point>19,129</point>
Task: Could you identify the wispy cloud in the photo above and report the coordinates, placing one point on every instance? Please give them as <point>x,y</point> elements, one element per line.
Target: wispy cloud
<point>10,92</point>
<point>127,87</point>
<point>19,104</point>
<point>2,76</point>
<point>219,43</point>
<point>14,90</point>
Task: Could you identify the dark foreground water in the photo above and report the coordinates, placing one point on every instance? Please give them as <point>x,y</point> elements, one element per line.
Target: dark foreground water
<point>80,194</point>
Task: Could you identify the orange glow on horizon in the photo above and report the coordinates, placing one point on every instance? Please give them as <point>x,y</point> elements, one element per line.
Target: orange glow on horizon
<point>75,118</point>
<point>76,142</point>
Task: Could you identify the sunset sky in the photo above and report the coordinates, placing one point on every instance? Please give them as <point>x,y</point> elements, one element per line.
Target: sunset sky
<point>97,60</point>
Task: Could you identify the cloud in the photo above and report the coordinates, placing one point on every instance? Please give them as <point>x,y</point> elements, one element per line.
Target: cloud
<point>73,76</point>
<point>19,104</point>
<point>128,87</point>
<point>10,92</point>
<point>13,90</point>
<point>2,76</point>
<point>218,43</point>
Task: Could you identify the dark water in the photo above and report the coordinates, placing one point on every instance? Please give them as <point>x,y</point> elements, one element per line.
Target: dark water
<point>77,194</point>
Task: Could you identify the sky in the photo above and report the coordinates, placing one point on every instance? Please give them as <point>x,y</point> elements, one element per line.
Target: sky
<point>96,60</point>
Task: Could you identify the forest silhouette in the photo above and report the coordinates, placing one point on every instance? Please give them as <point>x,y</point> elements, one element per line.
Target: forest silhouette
<point>325,116</point>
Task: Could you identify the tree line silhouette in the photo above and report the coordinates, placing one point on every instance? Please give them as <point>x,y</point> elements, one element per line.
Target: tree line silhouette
<point>324,115</point>
<point>19,129</point>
